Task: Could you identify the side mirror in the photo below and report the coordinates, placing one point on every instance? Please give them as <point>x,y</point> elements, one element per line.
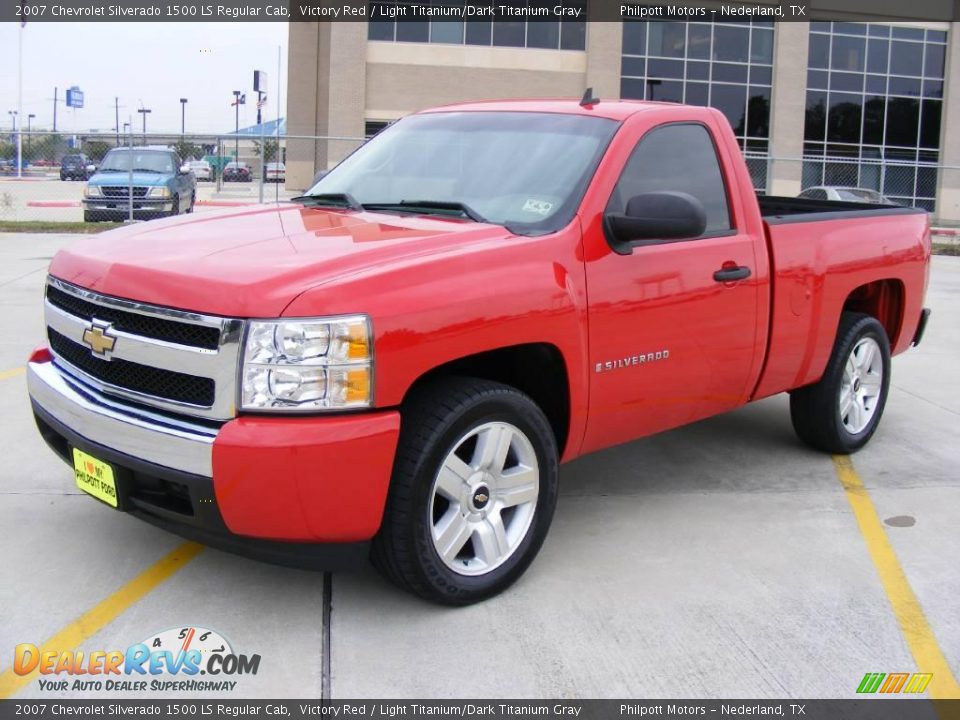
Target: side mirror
<point>656,216</point>
<point>184,169</point>
<point>91,168</point>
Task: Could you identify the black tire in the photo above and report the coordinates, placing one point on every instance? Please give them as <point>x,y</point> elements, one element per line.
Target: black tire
<point>175,210</point>
<point>193,201</point>
<point>435,419</point>
<point>90,216</point>
<point>815,409</point>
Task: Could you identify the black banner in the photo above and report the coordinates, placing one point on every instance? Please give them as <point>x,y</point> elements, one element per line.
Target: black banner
<point>872,709</point>
<point>470,10</point>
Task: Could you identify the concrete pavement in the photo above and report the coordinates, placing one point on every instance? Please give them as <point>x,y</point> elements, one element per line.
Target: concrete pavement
<point>717,560</point>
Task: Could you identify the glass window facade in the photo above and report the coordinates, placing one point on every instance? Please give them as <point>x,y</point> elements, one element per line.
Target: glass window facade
<point>546,34</point>
<point>728,66</point>
<point>874,105</point>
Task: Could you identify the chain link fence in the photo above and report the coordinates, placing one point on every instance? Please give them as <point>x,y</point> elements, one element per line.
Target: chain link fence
<point>901,182</point>
<point>244,169</point>
<point>57,170</point>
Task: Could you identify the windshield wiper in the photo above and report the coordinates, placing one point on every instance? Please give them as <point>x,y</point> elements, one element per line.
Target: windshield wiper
<point>111,170</point>
<point>428,205</point>
<point>330,199</point>
<point>147,170</point>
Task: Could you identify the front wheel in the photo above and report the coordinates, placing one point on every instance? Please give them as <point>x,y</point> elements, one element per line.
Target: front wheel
<point>473,491</point>
<point>840,413</point>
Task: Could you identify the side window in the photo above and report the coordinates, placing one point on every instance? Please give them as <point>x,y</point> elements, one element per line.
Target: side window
<point>678,158</point>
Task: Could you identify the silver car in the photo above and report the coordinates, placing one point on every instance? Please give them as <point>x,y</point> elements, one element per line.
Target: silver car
<point>846,194</point>
<point>201,169</point>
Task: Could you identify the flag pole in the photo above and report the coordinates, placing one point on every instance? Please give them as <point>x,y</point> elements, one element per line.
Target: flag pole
<point>20,101</point>
<point>277,129</point>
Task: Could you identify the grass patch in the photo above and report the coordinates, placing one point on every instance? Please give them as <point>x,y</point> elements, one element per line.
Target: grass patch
<point>42,226</point>
<point>946,249</point>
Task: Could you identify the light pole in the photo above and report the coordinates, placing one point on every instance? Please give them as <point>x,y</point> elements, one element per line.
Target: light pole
<point>238,100</point>
<point>30,118</point>
<point>183,116</point>
<point>143,113</point>
<point>13,115</point>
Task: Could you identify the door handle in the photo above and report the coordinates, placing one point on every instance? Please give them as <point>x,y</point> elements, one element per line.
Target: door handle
<point>731,274</point>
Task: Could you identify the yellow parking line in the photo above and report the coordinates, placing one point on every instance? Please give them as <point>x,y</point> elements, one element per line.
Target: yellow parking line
<point>7,374</point>
<point>913,623</point>
<point>95,619</point>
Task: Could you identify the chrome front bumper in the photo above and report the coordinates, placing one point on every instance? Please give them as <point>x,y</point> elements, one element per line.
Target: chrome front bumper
<point>153,437</point>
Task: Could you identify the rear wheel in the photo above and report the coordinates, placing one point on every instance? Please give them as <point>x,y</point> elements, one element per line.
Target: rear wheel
<point>840,413</point>
<point>473,491</point>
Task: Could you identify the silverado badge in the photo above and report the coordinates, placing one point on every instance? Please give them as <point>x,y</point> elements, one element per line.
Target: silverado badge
<point>98,338</point>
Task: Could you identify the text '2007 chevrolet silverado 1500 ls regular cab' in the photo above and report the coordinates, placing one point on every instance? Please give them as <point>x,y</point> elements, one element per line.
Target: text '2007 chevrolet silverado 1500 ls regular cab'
<point>397,362</point>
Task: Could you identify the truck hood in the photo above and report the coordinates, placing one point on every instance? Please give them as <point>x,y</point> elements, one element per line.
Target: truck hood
<point>253,261</point>
<point>121,178</point>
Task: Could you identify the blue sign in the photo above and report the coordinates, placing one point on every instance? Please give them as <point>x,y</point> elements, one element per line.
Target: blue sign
<point>74,97</point>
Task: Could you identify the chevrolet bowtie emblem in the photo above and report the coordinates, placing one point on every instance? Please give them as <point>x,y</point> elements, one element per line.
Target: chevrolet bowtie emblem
<point>98,339</point>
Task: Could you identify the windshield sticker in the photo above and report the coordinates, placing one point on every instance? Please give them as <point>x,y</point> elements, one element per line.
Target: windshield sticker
<point>540,207</point>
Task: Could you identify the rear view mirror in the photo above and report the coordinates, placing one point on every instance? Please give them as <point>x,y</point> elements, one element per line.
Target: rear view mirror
<point>656,216</point>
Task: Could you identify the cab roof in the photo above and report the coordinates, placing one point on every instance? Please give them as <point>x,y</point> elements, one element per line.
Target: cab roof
<point>611,109</point>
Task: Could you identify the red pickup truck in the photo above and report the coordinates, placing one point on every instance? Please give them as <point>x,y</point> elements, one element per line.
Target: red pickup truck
<point>396,363</point>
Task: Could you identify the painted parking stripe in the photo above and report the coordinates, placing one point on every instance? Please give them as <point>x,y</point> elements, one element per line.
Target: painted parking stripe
<point>108,610</point>
<point>14,372</point>
<point>913,623</point>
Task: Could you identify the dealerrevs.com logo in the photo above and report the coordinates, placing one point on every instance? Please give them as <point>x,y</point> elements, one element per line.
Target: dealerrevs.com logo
<point>168,661</point>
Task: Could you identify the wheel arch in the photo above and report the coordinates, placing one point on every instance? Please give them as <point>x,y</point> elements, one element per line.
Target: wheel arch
<point>536,369</point>
<point>882,299</point>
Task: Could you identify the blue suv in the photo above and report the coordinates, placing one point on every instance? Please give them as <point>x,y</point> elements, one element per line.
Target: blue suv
<point>151,177</point>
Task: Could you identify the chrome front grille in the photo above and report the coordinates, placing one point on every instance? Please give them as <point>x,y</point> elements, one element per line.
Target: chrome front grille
<point>169,359</point>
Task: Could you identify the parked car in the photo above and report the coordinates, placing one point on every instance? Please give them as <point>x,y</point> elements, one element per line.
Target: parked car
<point>399,360</point>
<point>237,172</point>
<point>76,167</point>
<point>201,169</point>
<point>275,172</point>
<point>837,193</point>
<point>152,178</point>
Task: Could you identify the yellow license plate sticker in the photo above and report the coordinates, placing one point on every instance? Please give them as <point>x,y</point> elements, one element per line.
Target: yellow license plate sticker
<point>94,477</point>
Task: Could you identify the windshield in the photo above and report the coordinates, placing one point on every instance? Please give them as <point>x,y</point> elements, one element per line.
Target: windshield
<point>141,160</point>
<point>524,170</point>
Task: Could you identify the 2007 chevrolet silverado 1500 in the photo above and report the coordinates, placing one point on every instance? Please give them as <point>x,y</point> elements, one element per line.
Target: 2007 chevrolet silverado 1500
<point>403,356</point>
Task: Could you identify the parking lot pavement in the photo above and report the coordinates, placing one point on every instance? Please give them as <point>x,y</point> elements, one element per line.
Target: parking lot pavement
<point>53,200</point>
<point>722,559</point>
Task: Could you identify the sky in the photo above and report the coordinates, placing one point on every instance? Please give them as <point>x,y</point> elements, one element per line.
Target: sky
<point>150,65</point>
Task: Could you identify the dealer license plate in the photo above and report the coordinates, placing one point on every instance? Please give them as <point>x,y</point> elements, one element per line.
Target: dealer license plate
<point>95,477</point>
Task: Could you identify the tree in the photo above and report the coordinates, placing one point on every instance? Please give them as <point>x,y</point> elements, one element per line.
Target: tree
<point>187,150</point>
<point>95,149</point>
<point>270,147</point>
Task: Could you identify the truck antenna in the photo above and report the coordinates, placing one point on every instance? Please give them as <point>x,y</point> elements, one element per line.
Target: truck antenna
<point>588,98</point>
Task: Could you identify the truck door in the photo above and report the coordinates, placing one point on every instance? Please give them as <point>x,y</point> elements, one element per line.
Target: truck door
<point>673,324</point>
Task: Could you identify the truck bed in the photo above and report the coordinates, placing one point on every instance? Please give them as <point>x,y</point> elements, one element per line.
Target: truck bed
<point>776,209</point>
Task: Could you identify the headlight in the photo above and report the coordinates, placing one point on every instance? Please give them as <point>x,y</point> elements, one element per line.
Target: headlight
<point>92,191</point>
<point>308,364</point>
<point>159,192</point>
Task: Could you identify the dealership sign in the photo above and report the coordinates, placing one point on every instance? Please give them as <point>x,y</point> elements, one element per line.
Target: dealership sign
<point>74,97</point>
